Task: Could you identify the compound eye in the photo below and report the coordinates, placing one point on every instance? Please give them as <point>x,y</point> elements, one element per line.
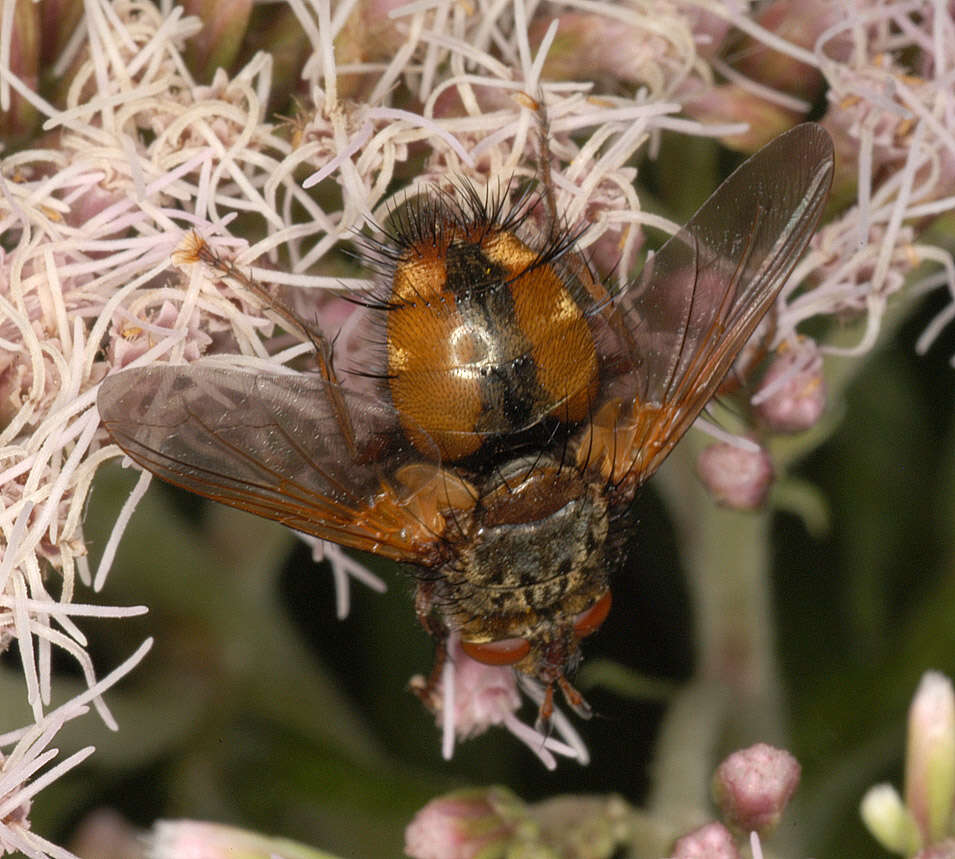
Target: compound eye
<point>507,651</point>
<point>588,622</point>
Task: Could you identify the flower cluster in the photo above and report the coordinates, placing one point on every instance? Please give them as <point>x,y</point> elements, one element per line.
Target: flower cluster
<point>894,130</point>
<point>140,153</point>
<point>135,147</point>
<point>752,788</point>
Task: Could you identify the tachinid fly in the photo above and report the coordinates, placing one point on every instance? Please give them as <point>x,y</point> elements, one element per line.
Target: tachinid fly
<point>520,403</point>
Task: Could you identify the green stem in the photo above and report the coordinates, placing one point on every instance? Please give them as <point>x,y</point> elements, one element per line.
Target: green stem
<point>736,697</point>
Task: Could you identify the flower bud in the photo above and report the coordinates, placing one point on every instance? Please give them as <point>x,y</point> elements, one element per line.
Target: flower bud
<point>930,756</point>
<point>711,841</point>
<point>466,824</point>
<point>106,835</point>
<point>738,477</point>
<point>753,786</point>
<point>889,821</point>
<point>177,839</point>
<point>792,395</point>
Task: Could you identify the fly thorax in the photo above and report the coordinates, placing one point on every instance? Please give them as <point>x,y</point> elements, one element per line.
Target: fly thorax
<point>536,556</point>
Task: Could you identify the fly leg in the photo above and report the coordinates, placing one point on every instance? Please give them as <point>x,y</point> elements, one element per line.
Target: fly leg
<point>426,688</point>
<point>543,164</point>
<point>574,700</point>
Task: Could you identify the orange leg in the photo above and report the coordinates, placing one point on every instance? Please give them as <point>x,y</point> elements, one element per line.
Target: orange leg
<point>574,699</point>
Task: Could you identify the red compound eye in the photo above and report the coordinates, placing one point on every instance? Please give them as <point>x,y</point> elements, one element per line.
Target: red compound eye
<point>589,621</point>
<point>507,651</point>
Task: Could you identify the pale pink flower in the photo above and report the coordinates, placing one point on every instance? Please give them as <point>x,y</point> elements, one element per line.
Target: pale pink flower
<point>140,153</point>
<point>25,768</point>
<point>471,697</point>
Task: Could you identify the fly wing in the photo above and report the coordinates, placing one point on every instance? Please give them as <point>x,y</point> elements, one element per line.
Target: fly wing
<point>273,445</point>
<point>700,298</point>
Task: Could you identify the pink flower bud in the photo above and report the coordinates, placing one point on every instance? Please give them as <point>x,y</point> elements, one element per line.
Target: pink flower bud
<point>105,834</point>
<point>737,477</point>
<point>711,841</point>
<point>753,786</point>
<point>792,395</point>
<point>464,824</point>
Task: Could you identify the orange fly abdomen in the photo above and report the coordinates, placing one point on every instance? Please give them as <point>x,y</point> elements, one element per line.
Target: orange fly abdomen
<point>563,349</point>
<point>432,358</point>
<point>484,338</point>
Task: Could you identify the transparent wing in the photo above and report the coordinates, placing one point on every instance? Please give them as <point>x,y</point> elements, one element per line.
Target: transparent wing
<point>273,445</point>
<point>699,299</point>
